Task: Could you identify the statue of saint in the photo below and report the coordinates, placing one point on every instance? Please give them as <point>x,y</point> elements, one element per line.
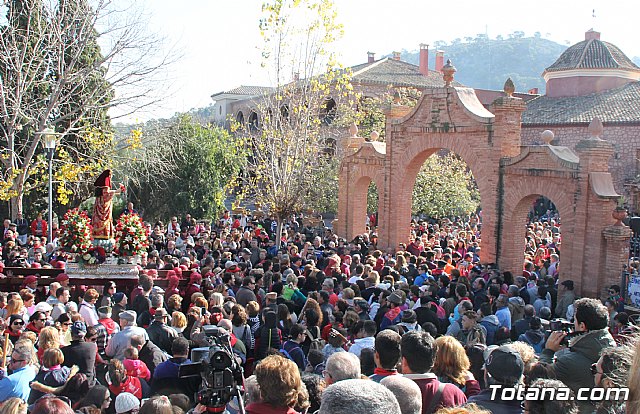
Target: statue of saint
<point>102,220</point>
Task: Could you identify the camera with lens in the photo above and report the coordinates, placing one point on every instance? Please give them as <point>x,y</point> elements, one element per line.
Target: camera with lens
<point>222,375</point>
<point>564,325</point>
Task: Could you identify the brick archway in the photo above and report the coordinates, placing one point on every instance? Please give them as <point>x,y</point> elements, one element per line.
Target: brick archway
<point>509,178</point>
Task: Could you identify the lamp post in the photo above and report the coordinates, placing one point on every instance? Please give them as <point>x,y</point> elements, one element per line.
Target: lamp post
<point>49,138</point>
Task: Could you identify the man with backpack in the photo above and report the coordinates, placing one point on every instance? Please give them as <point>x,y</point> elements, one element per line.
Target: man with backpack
<point>292,349</point>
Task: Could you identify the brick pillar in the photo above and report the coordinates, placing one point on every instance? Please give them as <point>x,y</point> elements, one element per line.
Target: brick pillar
<point>617,253</point>
<point>508,111</point>
<point>599,247</point>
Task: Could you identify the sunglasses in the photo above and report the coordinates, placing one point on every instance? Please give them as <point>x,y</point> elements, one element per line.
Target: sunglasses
<point>67,323</point>
<point>18,323</point>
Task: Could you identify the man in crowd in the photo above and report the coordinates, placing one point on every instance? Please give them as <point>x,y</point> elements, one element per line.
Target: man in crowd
<point>418,354</point>
<point>81,353</point>
<point>503,368</point>
<point>567,298</point>
<point>23,372</point>
<point>159,333</point>
<point>365,338</point>
<point>571,364</point>
<point>356,396</point>
<point>341,366</point>
<point>122,340</point>
<point>387,354</point>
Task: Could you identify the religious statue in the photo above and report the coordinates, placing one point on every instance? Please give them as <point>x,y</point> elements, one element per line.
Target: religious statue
<point>102,220</point>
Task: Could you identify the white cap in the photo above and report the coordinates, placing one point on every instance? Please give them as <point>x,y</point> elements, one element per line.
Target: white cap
<point>43,307</point>
<point>125,401</point>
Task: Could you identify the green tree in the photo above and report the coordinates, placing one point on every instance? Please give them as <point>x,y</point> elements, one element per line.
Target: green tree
<point>445,187</point>
<point>206,163</point>
<point>53,73</point>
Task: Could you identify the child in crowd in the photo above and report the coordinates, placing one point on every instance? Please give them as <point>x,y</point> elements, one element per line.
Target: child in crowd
<point>134,366</point>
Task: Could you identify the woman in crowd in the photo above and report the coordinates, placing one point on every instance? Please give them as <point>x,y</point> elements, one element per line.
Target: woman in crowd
<point>452,365</point>
<point>280,386</point>
<point>98,398</point>
<point>49,338</point>
<point>285,321</point>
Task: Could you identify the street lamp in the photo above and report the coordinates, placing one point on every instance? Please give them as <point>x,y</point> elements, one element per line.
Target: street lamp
<point>49,138</point>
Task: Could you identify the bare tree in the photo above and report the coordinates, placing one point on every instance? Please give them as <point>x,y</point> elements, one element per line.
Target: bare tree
<point>290,132</point>
<point>61,63</point>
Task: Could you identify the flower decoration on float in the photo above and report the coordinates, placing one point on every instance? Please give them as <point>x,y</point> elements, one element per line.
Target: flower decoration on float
<point>132,237</point>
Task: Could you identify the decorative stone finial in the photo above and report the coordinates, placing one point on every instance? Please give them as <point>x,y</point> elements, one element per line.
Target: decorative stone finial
<point>353,130</point>
<point>595,128</point>
<point>509,87</point>
<point>448,70</point>
<point>547,136</point>
<point>374,136</point>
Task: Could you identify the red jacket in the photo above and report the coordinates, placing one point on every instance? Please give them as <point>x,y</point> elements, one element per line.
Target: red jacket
<point>34,227</point>
<point>451,396</point>
<point>130,384</point>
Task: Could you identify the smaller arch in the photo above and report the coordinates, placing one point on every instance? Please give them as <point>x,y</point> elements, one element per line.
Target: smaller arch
<point>253,121</point>
<point>240,118</point>
<point>516,217</point>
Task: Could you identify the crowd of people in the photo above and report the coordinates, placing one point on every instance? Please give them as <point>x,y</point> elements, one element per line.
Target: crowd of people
<point>317,323</point>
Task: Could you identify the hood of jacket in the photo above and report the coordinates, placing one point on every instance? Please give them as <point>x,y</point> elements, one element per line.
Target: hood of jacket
<point>534,336</point>
<point>490,320</point>
<point>517,300</point>
<point>591,343</point>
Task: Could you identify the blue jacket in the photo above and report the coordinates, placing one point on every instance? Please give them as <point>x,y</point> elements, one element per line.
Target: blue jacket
<point>296,353</point>
<point>169,368</point>
<point>491,324</point>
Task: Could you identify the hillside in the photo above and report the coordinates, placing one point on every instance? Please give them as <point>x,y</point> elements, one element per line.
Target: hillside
<point>486,63</point>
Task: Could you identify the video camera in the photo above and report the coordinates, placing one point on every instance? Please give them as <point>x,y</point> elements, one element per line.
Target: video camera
<point>564,325</point>
<point>222,375</point>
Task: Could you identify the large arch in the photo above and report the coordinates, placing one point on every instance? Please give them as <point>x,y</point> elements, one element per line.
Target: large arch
<point>508,176</point>
<point>451,119</point>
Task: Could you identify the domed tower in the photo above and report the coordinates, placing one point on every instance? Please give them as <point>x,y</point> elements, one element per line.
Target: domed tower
<point>588,67</point>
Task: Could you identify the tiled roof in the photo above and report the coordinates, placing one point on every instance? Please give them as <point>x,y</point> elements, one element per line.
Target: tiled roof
<point>592,54</point>
<point>620,105</point>
<point>398,73</point>
<point>246,90</point>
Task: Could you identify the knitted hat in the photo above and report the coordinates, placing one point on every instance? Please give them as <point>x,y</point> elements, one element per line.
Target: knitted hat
<point>125,401</point>
<point>78,328</point>
<point>117,297</point>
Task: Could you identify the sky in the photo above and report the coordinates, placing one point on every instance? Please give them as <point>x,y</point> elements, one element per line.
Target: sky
<point>218,41</point>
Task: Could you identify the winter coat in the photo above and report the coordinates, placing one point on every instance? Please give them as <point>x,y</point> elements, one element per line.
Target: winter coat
<point>51,378</point>
<point>516,307</point>
<point>563,304</point>
<point>535,338</point>
<point>491,324</point>
<point>573,364</point>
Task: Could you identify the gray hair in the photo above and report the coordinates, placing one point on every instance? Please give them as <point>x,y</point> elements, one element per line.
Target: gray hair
<point>356,396</point>
<point>343,366</point>
<point>513,290</point>
<point>406,391</point>
<point>157,301</point>
<point>24,350</point>
<point>252,389</point>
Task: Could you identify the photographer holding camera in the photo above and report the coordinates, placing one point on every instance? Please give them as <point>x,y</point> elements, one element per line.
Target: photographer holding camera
<point>572,364</point>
